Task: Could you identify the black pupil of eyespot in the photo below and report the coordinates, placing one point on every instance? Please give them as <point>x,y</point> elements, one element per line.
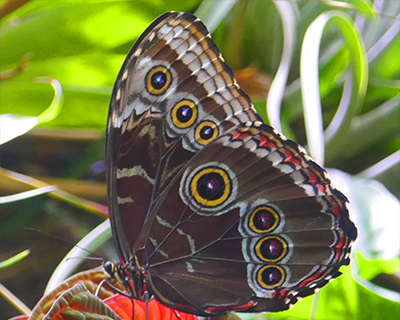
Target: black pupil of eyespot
<point>263,220</point>
<point>271,276</point>
<point>184,113</point>
<point>158,80</point>
<point>271,249</point>
<point>211,186</point>
<point>206,132</point>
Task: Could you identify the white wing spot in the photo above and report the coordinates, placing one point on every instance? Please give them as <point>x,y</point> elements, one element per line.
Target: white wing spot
<point>190,240</point>
<point>135,171</point>
<point>151,36</point>
<point>155,244</point>
<point>118,95</point>
<point>125,200</point>
<point>189,267</point>
<point>138,52</point>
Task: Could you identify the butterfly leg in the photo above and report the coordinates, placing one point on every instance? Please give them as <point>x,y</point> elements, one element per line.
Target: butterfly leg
<point>99,287</point>
<point>177,314</point>
<point>133,309</point>
<point>147,301</point>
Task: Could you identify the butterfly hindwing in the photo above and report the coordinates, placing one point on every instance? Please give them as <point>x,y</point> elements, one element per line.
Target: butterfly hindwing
<point>255,238</point>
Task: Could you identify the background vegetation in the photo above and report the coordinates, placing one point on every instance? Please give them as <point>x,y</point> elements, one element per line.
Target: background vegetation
<point>273,48</point>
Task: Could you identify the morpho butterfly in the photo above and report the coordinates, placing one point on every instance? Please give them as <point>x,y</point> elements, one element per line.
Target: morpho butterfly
<point>211,209</point>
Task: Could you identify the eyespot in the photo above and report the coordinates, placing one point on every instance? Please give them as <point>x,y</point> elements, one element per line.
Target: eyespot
<point>209,189</point>
<point>263,219</point>
<point>184,114</point>
<point>271,249</point>
<point>270,277</point>
<point>158,80</point>
<point>205,132</point>
<point>211,186</point>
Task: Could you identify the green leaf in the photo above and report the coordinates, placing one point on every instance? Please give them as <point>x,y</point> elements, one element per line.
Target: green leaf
<point>13,125</point>
<point>13,260</point>
<point>332,70</point>
<point>26,194</point>
<point>364,6</point>
<point>370,268</point>
<point>310,84</point>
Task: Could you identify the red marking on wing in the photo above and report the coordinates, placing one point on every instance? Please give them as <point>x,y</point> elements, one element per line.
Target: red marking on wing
<point>339,247</point>
<point>282,293</point>
<point>311,177</point>
<point>310,279</point>
<point>290,158</point>
<point>239,135</point>
<point>265,142</point>
<point>336,208</point>
<point>236,308</point>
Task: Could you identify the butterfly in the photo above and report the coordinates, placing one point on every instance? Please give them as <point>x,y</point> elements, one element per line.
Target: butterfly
<point>211,209</point>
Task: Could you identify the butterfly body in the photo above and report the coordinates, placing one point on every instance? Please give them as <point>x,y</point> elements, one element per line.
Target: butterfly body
<point>211,209</point>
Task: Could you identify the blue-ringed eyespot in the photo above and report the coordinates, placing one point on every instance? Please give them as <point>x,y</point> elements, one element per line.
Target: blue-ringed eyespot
<point>270,277</point>
<point>205,132</point>
<point>158,80</point>
<point>184,114</point>
<point>211,186</point>
<point>271,249</point>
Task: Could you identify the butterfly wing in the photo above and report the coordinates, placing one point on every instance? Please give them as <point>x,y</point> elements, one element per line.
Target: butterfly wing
<point>174,92</point>
<point>220,211</point>
<point>250,223</point>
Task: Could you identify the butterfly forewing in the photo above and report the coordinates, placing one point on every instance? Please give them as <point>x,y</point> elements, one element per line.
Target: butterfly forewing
<point>197,101</point>
<point>211,209</point>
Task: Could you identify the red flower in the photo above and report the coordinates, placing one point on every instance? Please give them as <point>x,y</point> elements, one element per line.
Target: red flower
<point>123,307</point>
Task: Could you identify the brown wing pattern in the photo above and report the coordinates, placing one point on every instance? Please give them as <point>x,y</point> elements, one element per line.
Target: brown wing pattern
<point>251,222</point>
<point>210,208</point>
<point>198,100</point>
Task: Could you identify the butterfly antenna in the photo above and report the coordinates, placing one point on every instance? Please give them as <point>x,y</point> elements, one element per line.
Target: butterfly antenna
<point>85,258</point>
<point>70,243</point>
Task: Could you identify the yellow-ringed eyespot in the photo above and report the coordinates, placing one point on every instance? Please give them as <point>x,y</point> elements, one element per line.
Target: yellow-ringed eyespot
<point>184,114</point>
<point>205,132</point>
<point>263,219</point>
<point>270,277</point>
<point>158,80</point>
<point>271,249</point>
<point>211,186</point>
